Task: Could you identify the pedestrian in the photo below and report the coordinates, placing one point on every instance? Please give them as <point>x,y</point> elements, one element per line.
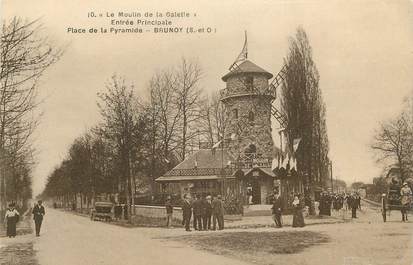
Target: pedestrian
<point>358,201</point>
<point>406,200</point>
<point>186,212</point>
<point>353,205</point>
<point>169,211</point>
<point>298,218</point>
<point>217,213</point>
<point>206,212</point>
<point>197,212</point>
<point>38,213</point>
<point>10,219</point>
<point>277,208</point>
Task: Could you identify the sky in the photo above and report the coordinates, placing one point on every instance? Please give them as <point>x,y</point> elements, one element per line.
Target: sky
<point>363,51</point>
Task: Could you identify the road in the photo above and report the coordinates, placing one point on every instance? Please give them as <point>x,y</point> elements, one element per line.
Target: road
<point>68,239</point>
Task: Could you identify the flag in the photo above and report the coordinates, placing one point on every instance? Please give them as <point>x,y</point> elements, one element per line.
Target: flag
<point>296,143</point>
<point>242,56</point>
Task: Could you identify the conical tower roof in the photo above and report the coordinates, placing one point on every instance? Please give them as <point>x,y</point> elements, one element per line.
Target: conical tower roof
<point>247,67</point>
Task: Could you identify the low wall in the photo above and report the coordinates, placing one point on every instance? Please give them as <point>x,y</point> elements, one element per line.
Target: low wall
<point>157,211</point>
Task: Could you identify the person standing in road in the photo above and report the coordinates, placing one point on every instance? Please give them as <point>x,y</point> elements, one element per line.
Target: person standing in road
<point>207,213</point>
<point>38,213</point>
<point>406,200</point>
<point>197,210</point>
<point>277,208</point>
<point>353,205</point>
<point>10,219</point>
<point>217,213</point>
<point>298,217</point>
<point>186,212</point>
<point>169,212</point>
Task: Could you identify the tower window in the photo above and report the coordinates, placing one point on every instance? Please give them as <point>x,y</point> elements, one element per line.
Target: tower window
<point>235,113</point>
<point>251,116</point>
<point>249,82</point>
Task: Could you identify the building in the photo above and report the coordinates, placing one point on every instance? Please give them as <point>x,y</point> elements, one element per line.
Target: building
<point>241,165</point>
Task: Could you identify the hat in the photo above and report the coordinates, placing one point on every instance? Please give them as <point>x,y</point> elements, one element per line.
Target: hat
<point>404,183</point>
<point>208,197</point>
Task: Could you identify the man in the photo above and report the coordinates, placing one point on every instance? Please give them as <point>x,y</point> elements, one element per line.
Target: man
<point>406,199</point>
<point>353,205</point>
<point>277,208</point>
<point>206,212</point>
<point>197,209</point>
<point>38,213</point>
<point>217,213</point>
<point>169,212</point>
<point>186,212</point>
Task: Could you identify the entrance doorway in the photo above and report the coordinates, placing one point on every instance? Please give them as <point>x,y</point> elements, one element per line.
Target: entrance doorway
<point>254,191</point>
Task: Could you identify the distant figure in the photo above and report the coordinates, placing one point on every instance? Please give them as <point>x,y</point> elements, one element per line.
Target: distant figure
<point>169,212</point>
<point>383,206</point>
<point>206,212</point>
<point>353,205</point>
<point>217,213</point>
<point>406,200</point>
<point>38,213</point>
<point>186,212</point>
<point>298,218</point>
<point>10,219</point>
<point>277,208</point>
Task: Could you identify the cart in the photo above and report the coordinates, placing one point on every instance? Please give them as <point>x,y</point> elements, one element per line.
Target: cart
<point>391,201</point>
<point>102,211</point>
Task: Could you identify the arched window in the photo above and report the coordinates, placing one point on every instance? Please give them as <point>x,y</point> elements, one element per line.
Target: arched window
<point>235,113</point>
<point>251,116</point>
<point>249,82</point>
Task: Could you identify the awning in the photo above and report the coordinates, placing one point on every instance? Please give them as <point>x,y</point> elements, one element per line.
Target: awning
<point>190,178</point>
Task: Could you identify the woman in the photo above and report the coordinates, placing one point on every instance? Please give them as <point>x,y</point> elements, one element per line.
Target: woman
<point>11,218</point>
<point>298,218</point>
<point>406,198</point>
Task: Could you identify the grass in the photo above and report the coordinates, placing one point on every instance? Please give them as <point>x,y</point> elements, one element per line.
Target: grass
<point>257,247</point>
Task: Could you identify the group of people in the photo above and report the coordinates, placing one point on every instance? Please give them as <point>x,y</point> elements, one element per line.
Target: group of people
<point>338,201</point>
<point>12,217</point>
<point>298,207</point>
<point>205,211</point>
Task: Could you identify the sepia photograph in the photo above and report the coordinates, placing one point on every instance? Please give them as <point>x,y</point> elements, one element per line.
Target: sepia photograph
<point>181,132</point>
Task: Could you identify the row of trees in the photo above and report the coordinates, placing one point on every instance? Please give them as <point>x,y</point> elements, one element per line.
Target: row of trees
<point>24,55</point>
<point>303,105</point>
<point>393,144</point>
<point>139,138</point>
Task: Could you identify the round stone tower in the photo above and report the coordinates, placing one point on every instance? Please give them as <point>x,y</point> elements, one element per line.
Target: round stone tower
<point>248,99</point>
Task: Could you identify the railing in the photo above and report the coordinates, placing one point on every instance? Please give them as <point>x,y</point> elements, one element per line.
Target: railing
<point>200,172</point>
<point>262,91</point>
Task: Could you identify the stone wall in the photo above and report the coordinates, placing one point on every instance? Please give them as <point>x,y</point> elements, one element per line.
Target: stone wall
<point>246,131</point>
<point>156,211</point>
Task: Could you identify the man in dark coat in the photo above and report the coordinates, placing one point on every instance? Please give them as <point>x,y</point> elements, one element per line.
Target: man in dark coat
<point>217,213</point>
<point>38,213</point>
<point>186,212</point>
<point>206,212</point>
<point>277,208</point>
<point>353,205</point>
<point>197,209</point>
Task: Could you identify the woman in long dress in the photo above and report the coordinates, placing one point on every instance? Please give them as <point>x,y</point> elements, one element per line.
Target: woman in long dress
<point>298,218</point>
<point>11,218</point>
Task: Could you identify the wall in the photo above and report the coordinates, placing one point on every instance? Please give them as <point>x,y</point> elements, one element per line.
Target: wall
<point>156,211</point>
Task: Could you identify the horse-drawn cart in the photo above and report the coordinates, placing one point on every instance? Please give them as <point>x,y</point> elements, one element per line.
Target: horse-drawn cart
<point>393,201</point>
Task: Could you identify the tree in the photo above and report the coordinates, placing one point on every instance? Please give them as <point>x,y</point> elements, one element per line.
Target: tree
<point>123,125</point>
<point>24,56</point>
<point>305,110</point>
<point>393,144</point>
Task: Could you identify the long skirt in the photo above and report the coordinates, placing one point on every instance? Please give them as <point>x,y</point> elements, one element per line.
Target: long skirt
<point>11,226</point>
<point>298,218</point>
